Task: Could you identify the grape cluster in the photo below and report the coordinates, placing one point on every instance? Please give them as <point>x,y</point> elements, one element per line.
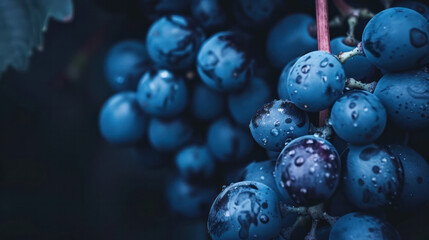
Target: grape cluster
<point>199,89</point>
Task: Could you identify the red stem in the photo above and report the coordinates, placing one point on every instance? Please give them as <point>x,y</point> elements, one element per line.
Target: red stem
<point>323,42</point>
<point>343,7</point>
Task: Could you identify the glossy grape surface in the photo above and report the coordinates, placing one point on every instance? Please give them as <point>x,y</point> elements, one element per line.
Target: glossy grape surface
<point>362,226</point>
<point>244,104</point>
<point>416,178</point>
<point>373,176</point>
<point>245,210</point>
<point>396,39</point>
<point>358,117</point>
<point>282,84</point>
<point>224,62</point>
<point>308,170</point>
<point>278,122</point>
<point>406,98</point>
<point>125,63</point>
<point>315,81</point>
<point>291,33</point>
<point>169,134</point>
<point>121,119</point>
<point>173,41</point>
<point>195,162</point>
<point>162,93</point>
<point>227,141</point>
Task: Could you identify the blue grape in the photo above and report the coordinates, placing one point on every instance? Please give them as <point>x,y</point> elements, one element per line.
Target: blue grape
<point>373,176</point>
<point>358,117</point>
<point>282,84</point>
<point>278,122</point>
<point>169,135</point>
<point>173,42</point>
<point>189,200</point>
<point>406,98</point>
<point>228,142</point>
<point>224,62</point>
<point>263,172</point>
<point>416,178</point>
<point>357,67</point>
<point>206,103</point>
<point>243,105</point>
<point>121,119</point>
<point>362,226</point>
<point>315,81</point>
<point>195,162</point>
<point>396,39</point>
<point>125,63</point>
<point>308,170</point>
<point>162,93</point>
<point>208,13</point>
<point>416,6</point>
<point>153,9</point>
<point>245,210</point>
<point>256,14</point>
<point>290,38</point>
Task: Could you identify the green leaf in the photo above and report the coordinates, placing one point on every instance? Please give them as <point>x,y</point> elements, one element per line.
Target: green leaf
<point>22,23</point>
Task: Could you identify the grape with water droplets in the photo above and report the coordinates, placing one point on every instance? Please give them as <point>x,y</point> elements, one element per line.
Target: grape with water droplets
<point>315,81</point>
<point>308,170</point>
<point>245,210</point>
<point>373,176</point>
<point>278,122</point>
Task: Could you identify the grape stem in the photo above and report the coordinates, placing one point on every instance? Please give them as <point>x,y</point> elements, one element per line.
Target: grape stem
<point>325,131</point>
<point>344,56</point>
<point>286,233</point>
<point>352,83</point>
<point>323,41</point>
<point>312,234</point>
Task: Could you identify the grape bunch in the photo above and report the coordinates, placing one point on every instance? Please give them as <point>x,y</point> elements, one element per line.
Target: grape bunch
<point>297,141</point>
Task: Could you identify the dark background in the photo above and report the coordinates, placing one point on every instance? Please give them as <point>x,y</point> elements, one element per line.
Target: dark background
<point>58,178</point>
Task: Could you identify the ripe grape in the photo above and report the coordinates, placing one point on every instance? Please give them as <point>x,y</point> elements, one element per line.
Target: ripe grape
<point>358,117</point>
<point>396,39</point>
<point>227,141</point>
<point>357,67</point>
<point>290,38</point>
<point>416,178</point>
<point>169,134</point>
<point>224,62</point>
<point>315,81</point>
<point>278,122</point>
<point>406,98</point>
<point>173,41</point>
<point>125,63</point>
<point>162,93</point>
<point>208,13</point>
<point>263,172</point>
<point>308,170</point>
<point>121,119</point>
<point>206,104</point>
<point>245,210</point>
<point>416,6</point>
<point>362,226</point>
<point>243,105</point>
<point>195,162</point>
<point>282,84</point>
<point>256,14</point>
<point>373,176</point>
<point>189,200</point>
